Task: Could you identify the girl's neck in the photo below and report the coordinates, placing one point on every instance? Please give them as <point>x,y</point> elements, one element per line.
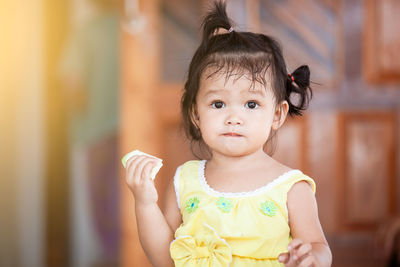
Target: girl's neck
<point>224,162</point>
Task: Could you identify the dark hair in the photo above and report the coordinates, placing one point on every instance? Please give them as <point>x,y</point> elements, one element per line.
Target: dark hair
<point>240,53</point>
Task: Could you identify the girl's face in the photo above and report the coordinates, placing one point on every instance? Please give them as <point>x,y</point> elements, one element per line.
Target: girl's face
<point>234,118</point>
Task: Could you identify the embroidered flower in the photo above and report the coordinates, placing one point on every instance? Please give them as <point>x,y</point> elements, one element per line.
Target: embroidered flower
<point>224,204</point>
<point>268,208</point>
<point>192,204</point>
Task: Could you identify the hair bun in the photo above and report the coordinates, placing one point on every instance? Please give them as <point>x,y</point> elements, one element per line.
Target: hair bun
<point>302,76</point>
<point>301,86</point>
<point>216,20</point>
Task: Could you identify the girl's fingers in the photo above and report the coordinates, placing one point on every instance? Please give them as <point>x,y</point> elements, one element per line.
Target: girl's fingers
<point>147,170</point>
<point>131,161</point>
<point>139,169</point>
<point>284,257</point>
<point>131,164</point>
<point>132,169</point>
<point>293,247</point>
<point>294,244</point>
<point>304,249</point>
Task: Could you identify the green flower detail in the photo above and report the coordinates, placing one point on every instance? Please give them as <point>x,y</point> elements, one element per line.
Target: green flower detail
<point>268,208</point>
<point>192,204</point>
<point>224,204</point>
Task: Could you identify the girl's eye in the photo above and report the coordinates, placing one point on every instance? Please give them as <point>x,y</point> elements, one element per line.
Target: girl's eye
<point>251,105</point>
<point>218,104</point>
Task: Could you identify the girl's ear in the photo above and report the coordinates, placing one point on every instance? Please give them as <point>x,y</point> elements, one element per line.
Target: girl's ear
<point>195,117</point>
<point>280,114</point>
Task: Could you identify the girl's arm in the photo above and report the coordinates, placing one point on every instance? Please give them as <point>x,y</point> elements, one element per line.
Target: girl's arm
<point>309,246</point>
<point>155,233</point>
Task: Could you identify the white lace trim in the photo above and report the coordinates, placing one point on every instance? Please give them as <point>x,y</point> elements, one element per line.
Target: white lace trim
<point>176,184</point>
<point>285,176</point>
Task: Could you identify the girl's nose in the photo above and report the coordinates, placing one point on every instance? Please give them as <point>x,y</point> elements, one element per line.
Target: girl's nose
<point>233,120</point>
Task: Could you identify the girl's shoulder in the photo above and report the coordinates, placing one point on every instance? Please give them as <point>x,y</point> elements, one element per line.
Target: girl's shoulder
<point>188,169</point>
<point>287,177</point>
<point>191,163</point>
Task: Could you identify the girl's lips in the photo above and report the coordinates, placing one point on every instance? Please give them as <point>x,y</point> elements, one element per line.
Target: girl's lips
<point>232,134</point>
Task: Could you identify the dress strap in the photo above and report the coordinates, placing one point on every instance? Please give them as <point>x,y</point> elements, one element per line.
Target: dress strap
<point>186,179</point>
<point>281,192</point>
<point>176,184</point>
<point>297,178</point>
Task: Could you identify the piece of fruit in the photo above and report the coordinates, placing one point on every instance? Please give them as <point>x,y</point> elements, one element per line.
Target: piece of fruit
<point>155,169</point>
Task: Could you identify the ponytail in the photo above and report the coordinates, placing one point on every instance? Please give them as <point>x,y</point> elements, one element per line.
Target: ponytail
<point>215,20</point>
<point>299,82</point>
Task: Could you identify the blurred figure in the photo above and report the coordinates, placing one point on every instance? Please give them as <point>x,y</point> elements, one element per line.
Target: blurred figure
<point>387,242</point>
<point>89,69</point>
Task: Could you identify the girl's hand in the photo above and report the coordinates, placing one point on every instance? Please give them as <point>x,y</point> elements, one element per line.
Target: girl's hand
<point>300,254</point>
<point>139,180</point>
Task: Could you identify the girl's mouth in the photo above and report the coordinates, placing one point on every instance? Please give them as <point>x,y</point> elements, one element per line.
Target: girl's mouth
<point>232,134</point>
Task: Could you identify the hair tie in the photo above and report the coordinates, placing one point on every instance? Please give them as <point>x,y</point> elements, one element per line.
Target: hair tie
<point>230,29</point>
<point>291,77</point>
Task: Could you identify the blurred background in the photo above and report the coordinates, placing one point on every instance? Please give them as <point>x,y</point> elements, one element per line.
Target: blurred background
<point>85,81</point>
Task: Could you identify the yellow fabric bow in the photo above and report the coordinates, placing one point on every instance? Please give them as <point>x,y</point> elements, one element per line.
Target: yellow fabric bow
<point>205,248</point>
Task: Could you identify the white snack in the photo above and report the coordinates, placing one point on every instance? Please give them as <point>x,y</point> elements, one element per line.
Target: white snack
<point>155,169</point>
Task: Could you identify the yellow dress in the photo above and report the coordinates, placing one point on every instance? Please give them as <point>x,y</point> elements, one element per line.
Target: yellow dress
<point>231,229</point>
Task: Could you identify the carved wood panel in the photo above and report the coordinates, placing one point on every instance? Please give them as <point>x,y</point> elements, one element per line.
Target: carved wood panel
<point>381,41</point>
<point>366,157</point>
